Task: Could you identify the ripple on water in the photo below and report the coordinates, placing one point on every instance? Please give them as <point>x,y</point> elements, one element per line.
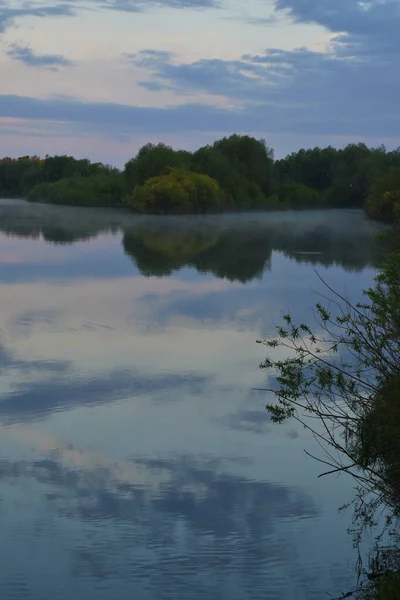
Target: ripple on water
<point>136,462</point>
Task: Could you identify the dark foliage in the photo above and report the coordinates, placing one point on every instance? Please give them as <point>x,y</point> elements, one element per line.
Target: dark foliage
<point>243,167</point>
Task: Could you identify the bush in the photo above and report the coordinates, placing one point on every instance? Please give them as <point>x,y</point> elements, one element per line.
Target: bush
<point>95,190</point>
<point>177,191</point>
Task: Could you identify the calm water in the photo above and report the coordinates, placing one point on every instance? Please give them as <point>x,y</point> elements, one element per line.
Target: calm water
<point>136,459</point>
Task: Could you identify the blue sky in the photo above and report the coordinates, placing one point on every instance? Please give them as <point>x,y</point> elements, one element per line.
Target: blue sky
<point>100,78</point>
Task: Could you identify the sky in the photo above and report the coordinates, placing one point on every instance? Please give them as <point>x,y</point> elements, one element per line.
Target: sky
<point>100,78</point>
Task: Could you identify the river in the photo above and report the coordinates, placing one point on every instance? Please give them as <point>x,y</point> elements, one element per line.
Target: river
<point>136,458</point>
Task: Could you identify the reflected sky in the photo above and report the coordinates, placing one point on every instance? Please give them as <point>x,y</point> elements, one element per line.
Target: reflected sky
<point>136,459</point>
<point>169,528</point>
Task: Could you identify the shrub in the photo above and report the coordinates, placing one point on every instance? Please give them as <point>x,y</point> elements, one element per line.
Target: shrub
<point>177,191</point>
<point>95,190</point>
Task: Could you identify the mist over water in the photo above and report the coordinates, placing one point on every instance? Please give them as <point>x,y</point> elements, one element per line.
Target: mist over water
<point>136,459</point>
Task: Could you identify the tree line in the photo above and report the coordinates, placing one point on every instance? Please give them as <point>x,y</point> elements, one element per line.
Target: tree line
<point>235,173</point>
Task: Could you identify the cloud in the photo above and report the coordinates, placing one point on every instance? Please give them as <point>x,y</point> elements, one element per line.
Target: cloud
<point>254,421</point>
<point>213,76</point>
<point>188,513</point>
<point>352,16</point>
<point>9,12</point>
<point>28,57</point>
<point>114,118</point>
<point>52,367</point>
<point>263,21</point>
<point>140,5</point>
<point>37,400</point>
<point>348,89</point>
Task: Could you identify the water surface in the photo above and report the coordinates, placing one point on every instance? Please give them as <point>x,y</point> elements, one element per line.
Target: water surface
<point>136,459</point>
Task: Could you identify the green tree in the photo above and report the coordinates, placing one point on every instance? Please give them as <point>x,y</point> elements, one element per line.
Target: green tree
<point>240,192</point>
<point>313,168</point>
<point>13,171</point>
<point>177,191</point>
<point>353,174</point>
<point>298,195</point>
<point>105,189</point>
<point>243,166</point>
<point>19,176</point>
<point>384,198</point>
<point>62,167</point>
<point>152,160</point>
<point>250,157</point>
<point>342,176</point>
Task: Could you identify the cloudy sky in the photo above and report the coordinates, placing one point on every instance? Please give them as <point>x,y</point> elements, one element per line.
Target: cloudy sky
<point>100,78</point>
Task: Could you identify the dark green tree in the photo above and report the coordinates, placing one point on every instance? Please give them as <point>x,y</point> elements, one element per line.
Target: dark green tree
<point>250,157</point>
<point>313,168</point>
<point>105,189</point>
<point>298,195</point>
<point>383,202</point>
<point>240,192</point>
<point>153,160</point>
